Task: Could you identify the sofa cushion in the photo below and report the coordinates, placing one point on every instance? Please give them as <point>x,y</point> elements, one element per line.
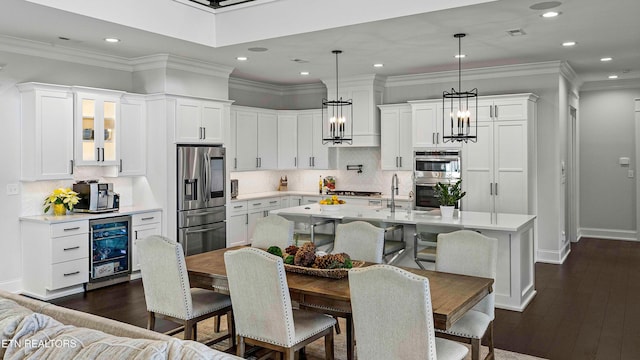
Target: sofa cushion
<point>39,336</point>
<point>11,314</point>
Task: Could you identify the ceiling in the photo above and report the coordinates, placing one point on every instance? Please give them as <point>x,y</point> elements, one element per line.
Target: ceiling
<point>407,45</point>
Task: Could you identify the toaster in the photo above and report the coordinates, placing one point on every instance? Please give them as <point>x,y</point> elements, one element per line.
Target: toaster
<point>96,197</point>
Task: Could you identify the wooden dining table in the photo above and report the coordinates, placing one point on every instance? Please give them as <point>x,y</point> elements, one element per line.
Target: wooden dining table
<point>452,295</point>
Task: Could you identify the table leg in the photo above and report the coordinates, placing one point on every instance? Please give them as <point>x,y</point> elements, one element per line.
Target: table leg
<point>350,339</point>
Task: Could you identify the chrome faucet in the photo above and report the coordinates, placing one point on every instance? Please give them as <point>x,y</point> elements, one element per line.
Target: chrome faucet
<point>394,189</point>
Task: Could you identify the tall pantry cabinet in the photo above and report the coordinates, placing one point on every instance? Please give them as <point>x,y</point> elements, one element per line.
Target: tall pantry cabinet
<point>498,170</point>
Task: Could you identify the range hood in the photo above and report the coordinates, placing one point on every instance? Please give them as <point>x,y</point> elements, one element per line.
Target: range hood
<point>366,91</point>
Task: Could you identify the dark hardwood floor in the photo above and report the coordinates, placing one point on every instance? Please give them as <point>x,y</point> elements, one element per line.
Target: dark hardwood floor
<point>587,308</point>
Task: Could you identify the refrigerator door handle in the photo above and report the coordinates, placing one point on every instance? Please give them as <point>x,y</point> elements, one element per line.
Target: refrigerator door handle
<point>207,177</point>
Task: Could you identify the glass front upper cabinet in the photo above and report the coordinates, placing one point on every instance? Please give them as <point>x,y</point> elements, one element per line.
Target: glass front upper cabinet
<point>97,127</point>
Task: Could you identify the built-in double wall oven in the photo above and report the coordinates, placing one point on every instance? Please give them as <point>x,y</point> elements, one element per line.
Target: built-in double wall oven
<point>431,167</point>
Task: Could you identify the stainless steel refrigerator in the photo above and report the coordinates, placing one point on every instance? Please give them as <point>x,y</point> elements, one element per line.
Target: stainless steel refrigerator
<point>201,198</point>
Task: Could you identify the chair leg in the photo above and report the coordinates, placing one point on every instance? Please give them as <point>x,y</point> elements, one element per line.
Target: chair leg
<point>475,349</point>
<point>188,330</point>
<point>195,331</point>
<point>337,326</point>
<point>240,349</point>
<point>231,329</point>
<point>489,338</point>
<point>151,321</point>
<point>350,338</point>
<point>289,354</point>
<point>328,346</point>
<point>216,327</point>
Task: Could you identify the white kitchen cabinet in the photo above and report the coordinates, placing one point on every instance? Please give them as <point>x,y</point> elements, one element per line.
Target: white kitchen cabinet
<point>256,145</point>
<point>496,169</point>
<point>427,125</point>
<point>287,140</point>
<point>237,224</point>
<point>55,258</point>
<point>396,137</point>
<point>143,225</point>
<point>290,201</point>
<point>366,92</point>
<point>132,136</point>
<point>199,121</point>
<point>46,148</point>
<point>257,209</point>
<point>97,132</point>
<point>312,154</point>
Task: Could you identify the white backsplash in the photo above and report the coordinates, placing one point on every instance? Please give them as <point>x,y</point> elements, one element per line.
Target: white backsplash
<point>34,192</point>
<point>371,178</point>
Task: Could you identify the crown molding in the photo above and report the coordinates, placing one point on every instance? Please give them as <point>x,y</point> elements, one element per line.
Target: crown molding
<point>77,56</point>
<point>633,83</point>
<point>273,89</point>
<point>567,71</point>
<point>491,72</point>
<point>174,62</point>
<point>358,80</point>
<point>62,53</point>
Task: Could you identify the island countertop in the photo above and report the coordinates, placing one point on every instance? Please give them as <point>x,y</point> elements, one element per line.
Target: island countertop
<point>461,219</point>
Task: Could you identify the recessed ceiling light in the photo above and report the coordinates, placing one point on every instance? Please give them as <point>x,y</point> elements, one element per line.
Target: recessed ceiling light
<point>613,76</point>
<point>516,32</point>
<point>606,59</point>
<point>569,43</point>
<point>545,5</point>
<point>379,65</point>
<point>64,38</point>
<point>460,56</point>
<point>304,73</point>
<point>257,49</point>
<point>112,40</point>
<point>550,14</point>
<point>242,58</point>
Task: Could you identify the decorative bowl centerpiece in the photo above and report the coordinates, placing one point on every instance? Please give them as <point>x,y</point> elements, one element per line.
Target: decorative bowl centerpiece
<point>332,203</point>
<point>306,260</point>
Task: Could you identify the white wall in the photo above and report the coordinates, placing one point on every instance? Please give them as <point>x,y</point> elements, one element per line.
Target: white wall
<point>607,196</point>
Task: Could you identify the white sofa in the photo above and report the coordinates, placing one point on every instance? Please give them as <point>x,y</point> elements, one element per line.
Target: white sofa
<point>32,329</point>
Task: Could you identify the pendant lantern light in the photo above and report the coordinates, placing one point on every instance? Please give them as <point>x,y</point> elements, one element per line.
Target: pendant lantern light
<point>337,116</point>
<point>462,107</point>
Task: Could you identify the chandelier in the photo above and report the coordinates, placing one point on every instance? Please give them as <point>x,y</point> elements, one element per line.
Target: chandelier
<point>462,107</point>
<point>338,115</point>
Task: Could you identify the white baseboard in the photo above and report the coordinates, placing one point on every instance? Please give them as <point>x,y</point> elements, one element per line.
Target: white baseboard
<point>553,256</point>
<point>13,286</point>
<point>609,234</point>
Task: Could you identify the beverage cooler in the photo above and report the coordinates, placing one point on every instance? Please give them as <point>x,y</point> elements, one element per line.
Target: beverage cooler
<point>110,257</point>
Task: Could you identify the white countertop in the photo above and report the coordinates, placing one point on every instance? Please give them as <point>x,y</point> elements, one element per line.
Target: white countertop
<point>51,219</point>
<point>270,194</point>
<point>464,219</point>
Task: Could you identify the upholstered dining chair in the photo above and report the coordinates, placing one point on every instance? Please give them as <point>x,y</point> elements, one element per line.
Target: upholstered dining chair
<point>361,240</point>
<point>167,291</point>
<point>262,306</point>
<point>272,230</point>
<point>389,298</point>
<point>470,253</point>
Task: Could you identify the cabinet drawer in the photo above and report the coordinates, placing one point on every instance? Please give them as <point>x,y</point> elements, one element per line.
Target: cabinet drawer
<point>238,208</point>
<point>70,228</point>
<point>273,203</point>
<point>258,204</point>
<point>69,248</point>
<point>69,273</point>
<point>146,218</point>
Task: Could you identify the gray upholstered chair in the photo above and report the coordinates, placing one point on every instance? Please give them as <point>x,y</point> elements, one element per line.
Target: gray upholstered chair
<point>272,230</point>
<point>399,302</point>
<point>262,306</point>
<point>470,253</point>
<point>361,240</point>
<point>167,291</point>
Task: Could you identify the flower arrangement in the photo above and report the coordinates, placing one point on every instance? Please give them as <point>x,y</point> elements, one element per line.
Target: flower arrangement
<point>61,196</point>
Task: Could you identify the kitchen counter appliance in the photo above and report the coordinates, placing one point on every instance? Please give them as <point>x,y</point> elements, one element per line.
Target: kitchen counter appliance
<point>431,167</point>
<point>96,197</point>
<point>201,198</point>
<point>110,251</point>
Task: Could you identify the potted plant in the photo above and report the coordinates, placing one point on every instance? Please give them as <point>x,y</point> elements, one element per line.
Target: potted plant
<point>61,200</point>
<point>448,196</point>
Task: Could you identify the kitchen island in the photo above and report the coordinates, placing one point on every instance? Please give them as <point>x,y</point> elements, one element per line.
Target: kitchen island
<point>515,276</point>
